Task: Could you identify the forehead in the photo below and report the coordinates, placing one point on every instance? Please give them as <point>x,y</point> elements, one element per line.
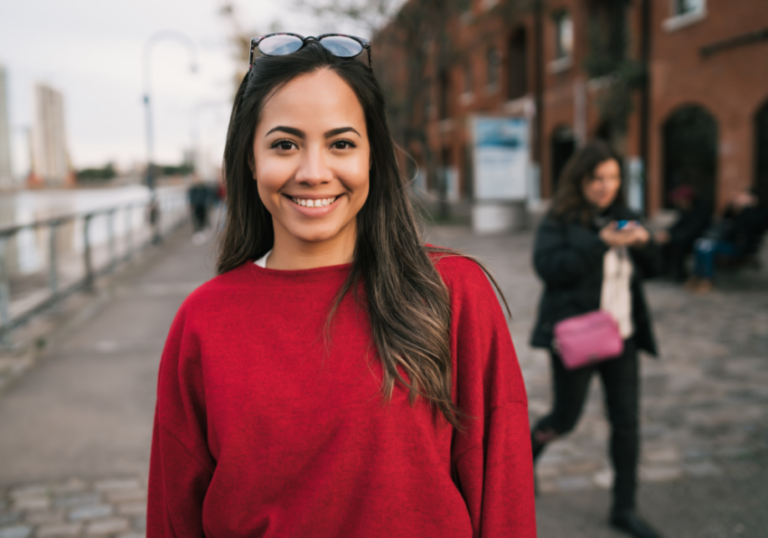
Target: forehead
<point>316,99</point>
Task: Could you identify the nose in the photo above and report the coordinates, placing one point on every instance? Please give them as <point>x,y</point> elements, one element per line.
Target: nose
<point>313,167</point>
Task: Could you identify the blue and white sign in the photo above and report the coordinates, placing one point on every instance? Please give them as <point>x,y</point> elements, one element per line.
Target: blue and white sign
<point>501,158</point>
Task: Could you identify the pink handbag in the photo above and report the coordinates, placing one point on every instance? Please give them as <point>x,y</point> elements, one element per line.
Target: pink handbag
<point>587,339</point>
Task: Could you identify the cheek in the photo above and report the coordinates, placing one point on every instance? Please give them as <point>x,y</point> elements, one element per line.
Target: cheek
<point>271,174</point>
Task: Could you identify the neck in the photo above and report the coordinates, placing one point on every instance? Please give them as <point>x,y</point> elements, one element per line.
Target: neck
<point>292,253</point>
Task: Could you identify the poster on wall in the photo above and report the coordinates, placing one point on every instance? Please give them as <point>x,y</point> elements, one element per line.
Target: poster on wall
<point>501,158</point>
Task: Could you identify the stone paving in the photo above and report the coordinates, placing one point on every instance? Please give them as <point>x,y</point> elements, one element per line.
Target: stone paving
<point>704,411</point>
<point>74,508</point>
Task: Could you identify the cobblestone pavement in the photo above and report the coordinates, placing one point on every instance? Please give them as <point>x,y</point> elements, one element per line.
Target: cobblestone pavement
<point>75,507</point>
<point>704,403</point>
<point>704,419</point>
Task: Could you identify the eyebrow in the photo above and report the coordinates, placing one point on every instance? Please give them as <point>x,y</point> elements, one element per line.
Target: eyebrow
<point>300,134</point>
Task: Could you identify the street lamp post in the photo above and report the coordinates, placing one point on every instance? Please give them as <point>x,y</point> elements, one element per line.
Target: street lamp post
<point>148,48</point>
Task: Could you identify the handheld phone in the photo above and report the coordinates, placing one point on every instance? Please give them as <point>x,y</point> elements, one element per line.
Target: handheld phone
<point>622,224</point>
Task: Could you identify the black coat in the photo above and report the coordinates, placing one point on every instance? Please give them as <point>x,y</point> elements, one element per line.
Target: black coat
<point>568,257</point>
<point>691,224</point>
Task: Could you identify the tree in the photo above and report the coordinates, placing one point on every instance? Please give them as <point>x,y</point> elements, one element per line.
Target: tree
<point>97,174</point>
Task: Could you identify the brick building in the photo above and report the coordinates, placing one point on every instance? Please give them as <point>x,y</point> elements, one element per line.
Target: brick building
<point>679,86</point>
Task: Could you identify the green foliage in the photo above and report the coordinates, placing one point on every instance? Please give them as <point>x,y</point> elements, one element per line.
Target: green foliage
<point>97,174</point>
<point>181,170</point>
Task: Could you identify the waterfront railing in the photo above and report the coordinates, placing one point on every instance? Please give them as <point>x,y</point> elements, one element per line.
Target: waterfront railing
<point>77,249</point>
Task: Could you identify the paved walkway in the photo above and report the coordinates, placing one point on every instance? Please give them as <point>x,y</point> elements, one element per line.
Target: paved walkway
<point>76,428</point>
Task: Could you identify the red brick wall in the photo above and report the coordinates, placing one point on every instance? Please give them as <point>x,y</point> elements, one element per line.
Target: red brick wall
<point>731,85</point>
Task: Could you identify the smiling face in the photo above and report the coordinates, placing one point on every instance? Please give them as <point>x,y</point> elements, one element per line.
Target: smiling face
<point>311,164</point>
<point>602,188</point>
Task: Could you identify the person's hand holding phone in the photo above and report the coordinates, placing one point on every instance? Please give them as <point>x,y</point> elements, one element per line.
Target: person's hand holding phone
<point>624,233</point>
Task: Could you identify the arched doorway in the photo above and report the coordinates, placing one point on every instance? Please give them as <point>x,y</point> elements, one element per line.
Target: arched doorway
<point>761,153</point>
<point>689,138</point>
<point>563,144</point>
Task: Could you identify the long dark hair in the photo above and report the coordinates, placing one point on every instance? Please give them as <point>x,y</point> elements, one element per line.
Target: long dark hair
<point>569,203</point>
<point>406,300</point>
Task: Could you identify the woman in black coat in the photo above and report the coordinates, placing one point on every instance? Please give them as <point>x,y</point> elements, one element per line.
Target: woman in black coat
<point>592,254</point>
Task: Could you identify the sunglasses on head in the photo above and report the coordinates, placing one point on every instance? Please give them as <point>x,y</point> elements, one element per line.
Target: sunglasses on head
<point>280,44</point>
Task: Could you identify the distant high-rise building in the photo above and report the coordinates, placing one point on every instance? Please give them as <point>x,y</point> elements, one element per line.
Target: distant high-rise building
<point>50,162</point>
<point>6,175</point>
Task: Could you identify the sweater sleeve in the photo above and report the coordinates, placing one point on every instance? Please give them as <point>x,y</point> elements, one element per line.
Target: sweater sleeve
<point>491,459</point>
<point>181,466</point>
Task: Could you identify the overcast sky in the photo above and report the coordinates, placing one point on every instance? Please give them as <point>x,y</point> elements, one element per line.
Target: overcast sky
<point>91,50</point>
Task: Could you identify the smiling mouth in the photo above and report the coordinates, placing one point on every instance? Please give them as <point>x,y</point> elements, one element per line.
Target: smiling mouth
<point>309,202</point>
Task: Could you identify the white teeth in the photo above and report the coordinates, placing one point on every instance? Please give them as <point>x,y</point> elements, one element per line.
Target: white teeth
<point>313,203</point>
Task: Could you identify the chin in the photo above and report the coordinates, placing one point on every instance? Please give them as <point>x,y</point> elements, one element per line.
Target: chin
<point>315,235</point>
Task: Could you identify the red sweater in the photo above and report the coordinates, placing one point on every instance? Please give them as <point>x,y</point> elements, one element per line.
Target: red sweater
<point>262,431</point>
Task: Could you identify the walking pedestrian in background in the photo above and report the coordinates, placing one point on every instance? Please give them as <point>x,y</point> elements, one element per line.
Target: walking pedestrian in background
<point>592,254</point>
<point>338,378</point>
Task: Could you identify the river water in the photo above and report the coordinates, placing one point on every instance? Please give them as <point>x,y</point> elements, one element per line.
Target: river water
<point>27,251</point>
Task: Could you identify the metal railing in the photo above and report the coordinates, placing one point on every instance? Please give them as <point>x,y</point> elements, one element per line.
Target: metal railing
<point>155,220</point>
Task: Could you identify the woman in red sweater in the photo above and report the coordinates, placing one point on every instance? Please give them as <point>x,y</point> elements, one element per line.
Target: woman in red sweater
<point>338,378</point>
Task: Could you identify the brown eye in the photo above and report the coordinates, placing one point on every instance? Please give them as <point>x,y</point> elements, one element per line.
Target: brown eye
<point>343,144</point>
<point>283,145</point>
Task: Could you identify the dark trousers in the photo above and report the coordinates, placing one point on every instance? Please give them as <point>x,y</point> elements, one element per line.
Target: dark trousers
<point>199,217</point>
<point>621,386</point>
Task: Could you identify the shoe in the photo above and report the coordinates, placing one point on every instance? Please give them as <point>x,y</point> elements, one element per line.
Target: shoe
<point>631,523</point>
<point>704,286</point>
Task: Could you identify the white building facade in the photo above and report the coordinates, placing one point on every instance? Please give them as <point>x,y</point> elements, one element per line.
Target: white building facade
<point>50,160</point>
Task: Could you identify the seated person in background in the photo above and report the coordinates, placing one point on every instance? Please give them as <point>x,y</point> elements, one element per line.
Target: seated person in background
<point>677,242</point>
<point>735,236</point>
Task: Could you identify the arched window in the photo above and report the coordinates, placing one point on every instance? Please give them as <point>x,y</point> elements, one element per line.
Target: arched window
<point>690,151</point>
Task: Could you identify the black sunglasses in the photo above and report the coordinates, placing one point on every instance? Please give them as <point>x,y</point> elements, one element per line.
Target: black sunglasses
<point>280,44</point>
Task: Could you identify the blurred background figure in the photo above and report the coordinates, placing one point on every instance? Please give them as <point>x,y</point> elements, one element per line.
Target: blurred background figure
<point>199,196</point>
<point>587,264</point>
<point>677,241</point>
<point>153,216</point>
<point>735,238</point>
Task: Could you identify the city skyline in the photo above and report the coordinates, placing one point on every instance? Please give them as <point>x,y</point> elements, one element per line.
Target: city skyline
<point>98,65</point>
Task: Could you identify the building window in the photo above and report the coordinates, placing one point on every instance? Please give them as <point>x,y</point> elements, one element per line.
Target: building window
<point>685,13</point>
<point>517,65</point>
<point>685,7</point>
<point>493,64</point>
<point>443,82</point>
<point>563,35</point>
<point>469,82</point>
